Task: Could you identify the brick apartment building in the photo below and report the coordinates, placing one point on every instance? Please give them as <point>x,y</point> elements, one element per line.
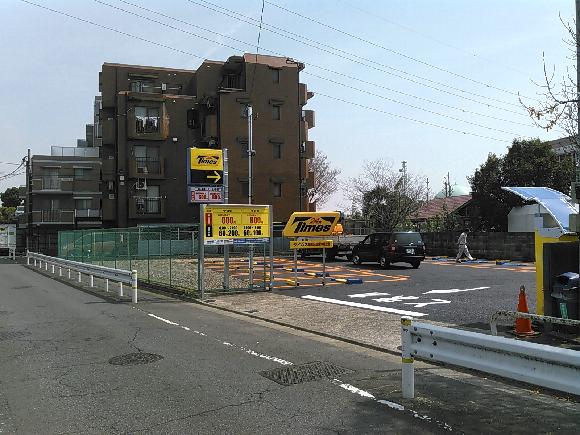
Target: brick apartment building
<point>149,116</point>
<point>63,192</point>
<point>131,167</point>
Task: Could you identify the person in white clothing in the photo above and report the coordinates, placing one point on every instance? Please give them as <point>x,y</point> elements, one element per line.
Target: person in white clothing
<point>462,247</point>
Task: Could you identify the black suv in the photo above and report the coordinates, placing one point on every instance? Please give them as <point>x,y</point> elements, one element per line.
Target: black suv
<point>387,248</point>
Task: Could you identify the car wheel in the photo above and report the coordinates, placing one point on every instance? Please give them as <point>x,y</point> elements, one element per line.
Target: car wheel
<point>415,264</point>
<point>356,259</point>
<point>383,262</point>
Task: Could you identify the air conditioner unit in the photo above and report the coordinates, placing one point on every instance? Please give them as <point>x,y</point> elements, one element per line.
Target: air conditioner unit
<point>141,185</point>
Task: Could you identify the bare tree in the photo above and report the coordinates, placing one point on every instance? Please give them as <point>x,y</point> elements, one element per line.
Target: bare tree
<point>558,107</point>
<point>385,196</point>
<point>325,178</point>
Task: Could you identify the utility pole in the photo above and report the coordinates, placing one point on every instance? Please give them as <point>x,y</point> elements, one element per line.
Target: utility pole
<point>427,189</point>
<point>403,171</point>
<point>250,187</point>
<point>577,89</point>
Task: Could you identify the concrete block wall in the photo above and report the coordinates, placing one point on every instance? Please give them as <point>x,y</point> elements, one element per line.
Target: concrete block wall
<point>492,246</point>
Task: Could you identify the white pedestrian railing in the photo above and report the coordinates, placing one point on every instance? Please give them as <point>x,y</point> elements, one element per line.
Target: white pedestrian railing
<point>535,317</point>
<point>120,276</point>
<point>537,364</point>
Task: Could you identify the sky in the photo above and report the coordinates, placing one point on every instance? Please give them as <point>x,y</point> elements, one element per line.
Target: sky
<point>461,64</point>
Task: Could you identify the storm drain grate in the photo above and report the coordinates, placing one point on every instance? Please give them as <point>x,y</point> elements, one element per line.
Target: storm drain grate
<point>297,374</point>
<point>11,335</point>
<point>133,359</point>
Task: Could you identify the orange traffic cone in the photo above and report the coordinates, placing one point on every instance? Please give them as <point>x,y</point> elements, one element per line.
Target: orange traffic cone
<point>523,326</point>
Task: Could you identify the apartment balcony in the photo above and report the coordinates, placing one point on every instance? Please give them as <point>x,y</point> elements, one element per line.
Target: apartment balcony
<point>53,217</point>
<point>88,214</point>
<point>147,167</point>
<point>308,116</point>
<point>52,184</point>
<point>308,150</point>
<point>146,208</point>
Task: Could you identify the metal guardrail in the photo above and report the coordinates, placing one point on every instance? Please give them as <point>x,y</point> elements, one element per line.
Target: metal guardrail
<point>536,317</point>
<point>537,364</point>
<point>106,273</point>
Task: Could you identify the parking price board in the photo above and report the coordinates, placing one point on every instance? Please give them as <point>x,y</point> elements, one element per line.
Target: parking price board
<point>236,224</point>
<point>311,244</point>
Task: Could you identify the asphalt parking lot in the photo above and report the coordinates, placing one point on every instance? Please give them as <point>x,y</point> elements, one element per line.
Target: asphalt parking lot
<point>463,294</point>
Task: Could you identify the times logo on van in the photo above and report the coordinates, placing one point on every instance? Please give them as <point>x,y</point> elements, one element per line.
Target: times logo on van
<point>311,224</point>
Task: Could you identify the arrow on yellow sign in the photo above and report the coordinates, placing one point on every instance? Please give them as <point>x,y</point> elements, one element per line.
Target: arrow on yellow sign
<point>215,176</point>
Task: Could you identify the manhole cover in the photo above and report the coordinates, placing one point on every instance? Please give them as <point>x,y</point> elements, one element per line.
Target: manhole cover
<point>11,335</point>
<point>298,374</point>
<point>133,359</point>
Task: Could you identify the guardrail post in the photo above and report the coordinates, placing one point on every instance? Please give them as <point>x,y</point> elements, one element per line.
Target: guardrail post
<point>91,281</point>
<point>80,277</point>
<point>27,259</point>
<point>52,269</point>
<point>120,289</point>
<point>408,371</point>
<point>134,285</point>
<point>69,273</point>
<point>106,284</point>
<point>35,262</point>
<point>59,270</point>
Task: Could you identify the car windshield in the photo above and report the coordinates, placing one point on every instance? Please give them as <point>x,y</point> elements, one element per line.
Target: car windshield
<point>408,238</point>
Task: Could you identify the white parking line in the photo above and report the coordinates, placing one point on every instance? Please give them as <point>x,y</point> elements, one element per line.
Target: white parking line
<point>368,295</point>
<point>365,306</point>
<point>454,290</point>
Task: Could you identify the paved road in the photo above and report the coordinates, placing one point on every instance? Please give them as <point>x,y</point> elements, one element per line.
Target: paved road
<point>462,294</point>
<point>58,345</point>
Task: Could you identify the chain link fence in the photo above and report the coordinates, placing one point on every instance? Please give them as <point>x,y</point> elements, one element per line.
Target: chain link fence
<point>166,256</point>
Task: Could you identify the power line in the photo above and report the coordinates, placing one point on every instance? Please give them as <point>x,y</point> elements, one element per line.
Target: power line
<point>323,95</point>
<point>417,107</point>
<point>424,99</point>
<point>410,119</point>
<point>257,50</point>
<point>436,40</point>
<point>310,64</point>
<point>393,51</point>
<point>334,51</point>
<point>112,29</point>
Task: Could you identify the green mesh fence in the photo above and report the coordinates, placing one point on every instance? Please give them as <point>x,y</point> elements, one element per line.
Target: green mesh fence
<point>163,255</point>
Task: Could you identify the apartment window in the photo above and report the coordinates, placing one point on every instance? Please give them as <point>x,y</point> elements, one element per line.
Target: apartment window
<point>146,159</point>
<point>81,172</point>
<point>147,119</point>
<point>148,201</point>
<point>232,81</point>
<point>142,86</point>
<point>275,75</point>
<point>277,190</point>
<point>276,112</point>
<point>277,150</point>
<point>192,118</point>
<point>83,204</point>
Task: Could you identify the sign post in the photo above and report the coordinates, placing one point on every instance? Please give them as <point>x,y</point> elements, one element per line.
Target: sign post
<point>311,224</point>
<point>238,224</point>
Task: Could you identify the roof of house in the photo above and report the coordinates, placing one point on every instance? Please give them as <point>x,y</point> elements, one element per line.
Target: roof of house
<point>435,206</point>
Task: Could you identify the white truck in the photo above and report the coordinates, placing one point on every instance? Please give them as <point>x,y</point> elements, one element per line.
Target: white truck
<point>8,239</point>
<point>342,245</point>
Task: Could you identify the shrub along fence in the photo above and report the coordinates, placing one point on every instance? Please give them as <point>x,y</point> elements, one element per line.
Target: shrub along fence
<point>509,246</point>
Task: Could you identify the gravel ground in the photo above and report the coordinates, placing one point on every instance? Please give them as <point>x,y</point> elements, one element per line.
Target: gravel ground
<point>181,273</point>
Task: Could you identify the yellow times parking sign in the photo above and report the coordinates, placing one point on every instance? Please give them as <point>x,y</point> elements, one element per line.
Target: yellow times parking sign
<point>308,224</point>
<point>311,244</point>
